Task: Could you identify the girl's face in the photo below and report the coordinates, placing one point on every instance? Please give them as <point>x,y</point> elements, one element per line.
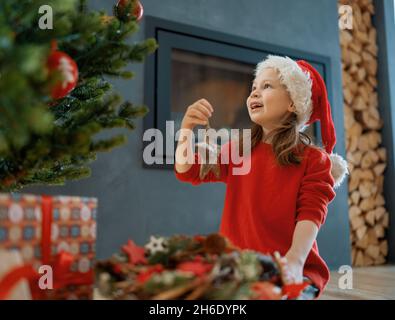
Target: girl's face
<point>269,101</point>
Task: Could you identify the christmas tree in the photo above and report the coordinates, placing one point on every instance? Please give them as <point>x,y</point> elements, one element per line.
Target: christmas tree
<point>54,92</point>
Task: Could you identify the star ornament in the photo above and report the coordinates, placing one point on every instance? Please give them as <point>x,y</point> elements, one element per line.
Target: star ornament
<point>156,245</point>
<point>135,253</point>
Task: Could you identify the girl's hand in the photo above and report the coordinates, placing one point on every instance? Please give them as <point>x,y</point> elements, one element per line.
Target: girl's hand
<point>197,114</point>
<point>292,269</point>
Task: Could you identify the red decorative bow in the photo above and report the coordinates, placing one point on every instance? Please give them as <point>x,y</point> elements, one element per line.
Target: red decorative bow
<point>60,264</point>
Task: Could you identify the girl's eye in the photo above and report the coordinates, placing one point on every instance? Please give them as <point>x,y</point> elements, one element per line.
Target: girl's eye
<point>266,85</point>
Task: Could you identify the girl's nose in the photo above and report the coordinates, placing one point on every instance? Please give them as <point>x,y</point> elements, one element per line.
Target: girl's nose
<point>254,94</point>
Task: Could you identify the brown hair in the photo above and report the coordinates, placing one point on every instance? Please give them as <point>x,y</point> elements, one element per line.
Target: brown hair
<point>288,144</point>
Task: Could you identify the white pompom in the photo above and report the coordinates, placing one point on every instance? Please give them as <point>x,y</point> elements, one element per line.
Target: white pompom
<point>339,169</point>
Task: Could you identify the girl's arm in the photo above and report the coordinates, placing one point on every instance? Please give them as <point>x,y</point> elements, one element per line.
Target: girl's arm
<point>184,147</point>
<point>303,238</point>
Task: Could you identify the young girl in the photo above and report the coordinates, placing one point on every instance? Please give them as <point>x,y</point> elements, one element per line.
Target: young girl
<point>281,203</point>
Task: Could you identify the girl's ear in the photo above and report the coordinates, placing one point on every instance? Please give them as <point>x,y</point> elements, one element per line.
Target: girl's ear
<point>291,107</point>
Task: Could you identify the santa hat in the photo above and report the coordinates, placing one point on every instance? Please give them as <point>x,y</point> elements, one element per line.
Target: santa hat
<point>308,93</point>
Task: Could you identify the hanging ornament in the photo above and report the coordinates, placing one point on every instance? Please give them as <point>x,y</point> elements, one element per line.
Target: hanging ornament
<point>63,64</point>
<point>209,152</point>
<point>126,9</point>
<point>135,253</point>
<point>156,245</point>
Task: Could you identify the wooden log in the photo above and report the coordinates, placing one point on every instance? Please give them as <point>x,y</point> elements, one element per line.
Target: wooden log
<point>379,230</point>
<point>353,255</point>
<point>373,139</point>
<point>379,181</point>
<point>371,67</point>
<point>373,251</point>
<point>379,200</point>
<point>359,259</point>
<point>372,81</point>
<point>384,247</point>
<point>360,232</point>
<point>355,157</point>
<point>379,169</point>
<point>354,211</point>
<point>379,213</point>
<point>382,152</point>
<point>346,38</point>
<point>362,243</point>
<point>367,260</point>
<point>385,220</point>
<point>359,104</point>
<point>372,237</point>
<point>366,174</point>
<point>370,217</point>
<point>355,197</point>
<point>367,189</point>
<point>379,260</point>
<point>357,222</point>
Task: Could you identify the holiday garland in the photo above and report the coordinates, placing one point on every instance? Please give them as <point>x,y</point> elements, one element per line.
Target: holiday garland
<point>193,267</point>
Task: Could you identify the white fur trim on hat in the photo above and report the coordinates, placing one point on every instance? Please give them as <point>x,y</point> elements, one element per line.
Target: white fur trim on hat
<point>339,169</point>
<point>297,82</point>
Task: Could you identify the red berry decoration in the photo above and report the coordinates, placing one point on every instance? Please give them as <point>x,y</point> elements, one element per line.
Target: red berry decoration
<point>62,63</point>
<point>126,9</point>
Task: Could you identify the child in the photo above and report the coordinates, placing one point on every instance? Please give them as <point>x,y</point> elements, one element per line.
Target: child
<point>281,203</point>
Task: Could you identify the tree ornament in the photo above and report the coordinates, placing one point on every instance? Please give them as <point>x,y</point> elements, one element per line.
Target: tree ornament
<point>125,10</point>
<point>62,63</point>
<point>209,152</point>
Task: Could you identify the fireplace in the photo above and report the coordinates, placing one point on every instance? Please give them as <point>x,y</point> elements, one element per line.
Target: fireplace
<point>193,63</point>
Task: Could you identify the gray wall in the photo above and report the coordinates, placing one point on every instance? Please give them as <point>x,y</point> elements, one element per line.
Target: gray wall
<point>385,24</point>
<point>136,202</point>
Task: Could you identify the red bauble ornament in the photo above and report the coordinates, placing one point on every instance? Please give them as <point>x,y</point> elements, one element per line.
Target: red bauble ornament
<point>61,62</point>
<point>137,10</point>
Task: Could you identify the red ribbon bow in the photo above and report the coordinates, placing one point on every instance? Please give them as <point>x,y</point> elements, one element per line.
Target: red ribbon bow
<point>60,264</point>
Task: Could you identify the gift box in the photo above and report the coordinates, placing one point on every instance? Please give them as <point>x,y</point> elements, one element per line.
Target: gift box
<point>58,232</point>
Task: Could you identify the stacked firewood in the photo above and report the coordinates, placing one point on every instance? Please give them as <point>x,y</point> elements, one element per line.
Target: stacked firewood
<point>367,159</point>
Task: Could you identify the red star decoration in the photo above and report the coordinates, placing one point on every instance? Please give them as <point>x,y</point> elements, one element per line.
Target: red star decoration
<point>135,253</point>
<point>197,266</point>
<point>265,291</point>
<point>292,291</point>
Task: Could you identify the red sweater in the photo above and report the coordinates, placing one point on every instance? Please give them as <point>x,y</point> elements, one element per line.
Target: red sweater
<point>262,207</point>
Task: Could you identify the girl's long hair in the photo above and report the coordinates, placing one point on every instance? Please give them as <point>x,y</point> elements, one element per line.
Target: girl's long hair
<point>288,144</point>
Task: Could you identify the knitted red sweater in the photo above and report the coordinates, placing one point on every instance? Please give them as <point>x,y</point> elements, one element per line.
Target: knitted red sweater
<point>262,207</point>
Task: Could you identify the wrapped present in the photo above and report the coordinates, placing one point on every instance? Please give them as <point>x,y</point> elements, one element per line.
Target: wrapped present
<point>58,232</point>
<point>191,268</point>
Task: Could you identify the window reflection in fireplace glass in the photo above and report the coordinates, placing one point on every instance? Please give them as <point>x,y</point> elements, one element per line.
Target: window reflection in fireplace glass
<point>223,82</point>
